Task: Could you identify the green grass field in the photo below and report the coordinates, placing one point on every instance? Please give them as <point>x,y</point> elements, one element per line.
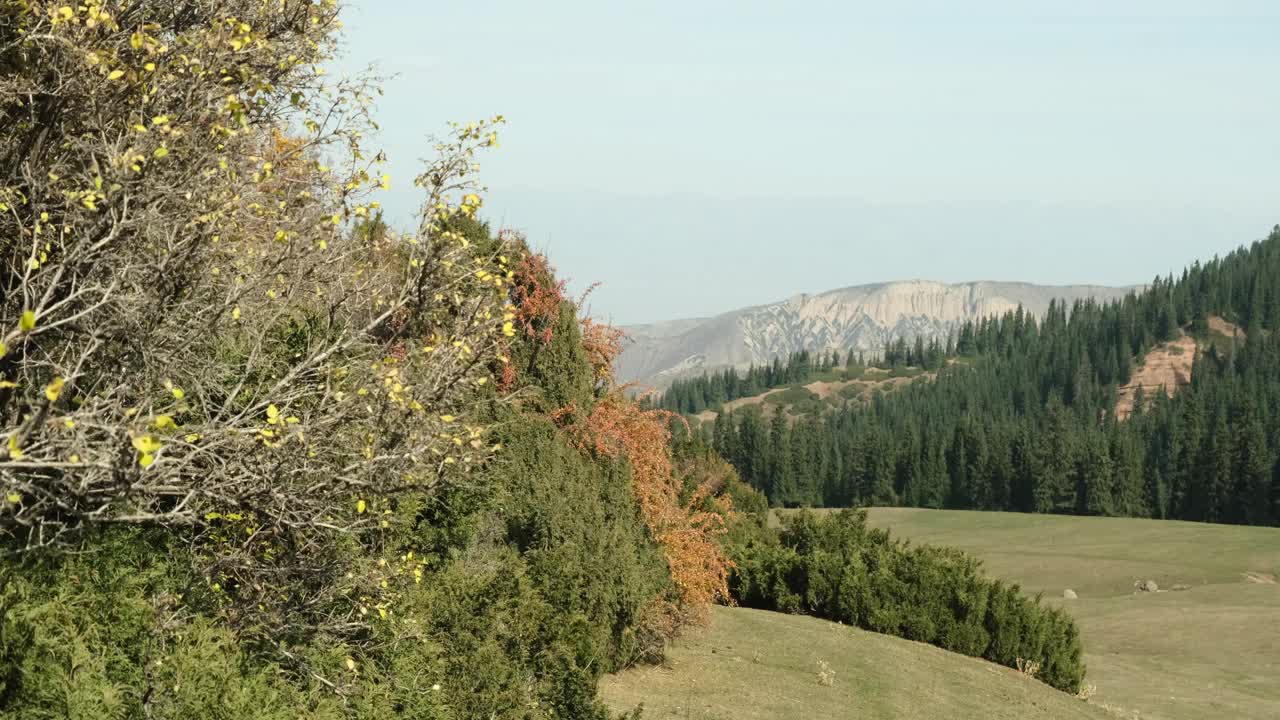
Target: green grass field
<point>1207,652</point>
<point>755,665</point>
<point>1210,651</point>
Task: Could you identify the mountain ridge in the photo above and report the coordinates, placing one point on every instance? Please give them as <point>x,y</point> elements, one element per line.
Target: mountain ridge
<point>858,317</point>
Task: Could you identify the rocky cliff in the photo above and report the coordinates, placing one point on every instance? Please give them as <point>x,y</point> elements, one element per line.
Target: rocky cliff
<point>861,318</point>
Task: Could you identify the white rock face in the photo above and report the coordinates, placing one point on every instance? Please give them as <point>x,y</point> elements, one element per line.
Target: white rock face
<point>862,318</point>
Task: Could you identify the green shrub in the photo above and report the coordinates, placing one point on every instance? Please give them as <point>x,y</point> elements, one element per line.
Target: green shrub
<point>852,392</point>
<point>840,569</point>
<point>97,635</point>
<point>791,396</point>
<point>905,372</point>
<point>537,579</point>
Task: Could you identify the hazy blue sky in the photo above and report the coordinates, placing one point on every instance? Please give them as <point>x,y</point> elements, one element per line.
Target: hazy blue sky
<point>700,156</point>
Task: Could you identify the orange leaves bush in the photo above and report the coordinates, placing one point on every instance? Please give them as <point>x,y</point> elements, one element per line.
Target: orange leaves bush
<point>603,344</point>
<point>619,429</point>
<point>611,426</point>
<point>537,295</point>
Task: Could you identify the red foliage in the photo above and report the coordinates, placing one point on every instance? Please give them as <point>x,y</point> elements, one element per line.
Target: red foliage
<point>603,344</point>
<point>507,377</point>
<point>537,295</point>
<point>617,428</point>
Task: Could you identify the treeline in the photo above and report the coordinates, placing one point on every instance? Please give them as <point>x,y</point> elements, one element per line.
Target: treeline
<point>1030,423</point>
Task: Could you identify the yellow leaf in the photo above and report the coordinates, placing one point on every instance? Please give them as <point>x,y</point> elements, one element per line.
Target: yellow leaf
<point>351,665</point>
<point>13,498</point>
<point>361,506</point>
<point>69,424</point>
<point>160,152</point>
<point>193,437</point>
<point>27,322</point>
<point>7,384</point>
<point>235,313</point>
<point>146,460</point>
<point>33,264</point>
<point>160,120</point>
<point>15,452</point>
<point>273,414</point>
<point>165,422</point>
<point>54,389</point>
<point>4,349</point>
<point>115,75</point>
<point>146,444</point>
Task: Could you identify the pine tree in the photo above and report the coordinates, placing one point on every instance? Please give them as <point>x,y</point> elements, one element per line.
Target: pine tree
<point>1252,470</point>
<point>783,489</point>
<point>1094,477</point>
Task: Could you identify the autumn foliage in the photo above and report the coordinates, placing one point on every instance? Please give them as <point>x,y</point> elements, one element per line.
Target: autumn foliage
<point>537,296</point>
<point>618,428</point>
<point>612,426</point>
<point>602,343</point>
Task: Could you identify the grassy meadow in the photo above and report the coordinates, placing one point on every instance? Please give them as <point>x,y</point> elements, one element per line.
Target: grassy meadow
<point>1212,650</point>
<point>756,665</point>
<point>1209,649</point>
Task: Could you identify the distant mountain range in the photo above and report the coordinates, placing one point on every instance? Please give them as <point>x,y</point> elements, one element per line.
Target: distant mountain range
<point>861,318</point>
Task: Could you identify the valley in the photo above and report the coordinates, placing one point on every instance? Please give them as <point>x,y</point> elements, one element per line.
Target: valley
<point>303,421</point>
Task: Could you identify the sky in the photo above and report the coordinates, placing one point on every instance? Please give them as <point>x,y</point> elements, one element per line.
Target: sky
<point>700,156</point>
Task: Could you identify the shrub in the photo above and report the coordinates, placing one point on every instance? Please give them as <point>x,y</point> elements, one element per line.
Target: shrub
<point>791,396</point>
<point>206,329</point>
<point>852,392</point>
<point>840,569</point>
<point>250,432</point>
<point>899,371</point>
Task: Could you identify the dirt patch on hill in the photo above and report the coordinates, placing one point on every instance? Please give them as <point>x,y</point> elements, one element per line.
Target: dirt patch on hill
<point>1259,578</point>
<point>873,379</point>
<point>825,390</point>
<point>1221,325</point>
<point>1167,368</point>
<point>710,415</point>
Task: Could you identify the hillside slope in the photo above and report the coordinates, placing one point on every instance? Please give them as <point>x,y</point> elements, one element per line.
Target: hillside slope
<point>861,318</point>
<point>756,665</point>
<point>1207,651</point>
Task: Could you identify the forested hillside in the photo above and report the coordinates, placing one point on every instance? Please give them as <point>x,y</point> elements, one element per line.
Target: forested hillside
<point>711,391</point>
<point>1030,422</point>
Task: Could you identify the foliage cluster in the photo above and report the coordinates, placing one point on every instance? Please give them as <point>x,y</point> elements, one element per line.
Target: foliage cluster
<point>265,457</point>
<point>839,569</point>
